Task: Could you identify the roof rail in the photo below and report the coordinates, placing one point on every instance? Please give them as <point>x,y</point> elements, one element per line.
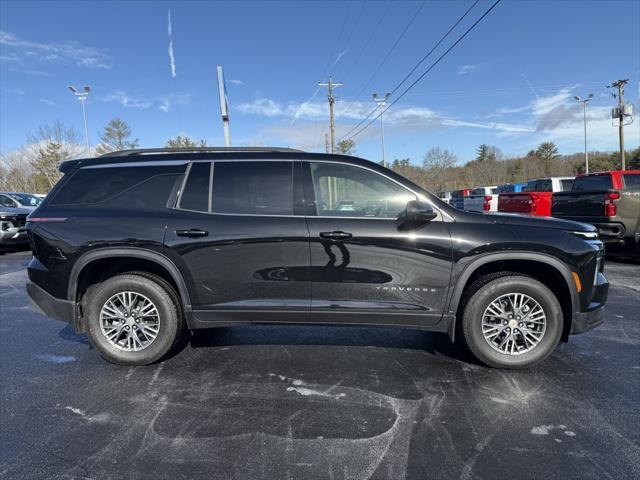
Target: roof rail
<point>145,151</point>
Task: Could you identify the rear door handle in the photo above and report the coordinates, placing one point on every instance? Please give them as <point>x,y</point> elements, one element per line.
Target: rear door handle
<point>192,232</point>
<point>335,235</point>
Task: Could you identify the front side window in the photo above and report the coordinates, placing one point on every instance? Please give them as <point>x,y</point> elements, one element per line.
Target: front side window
<point>348,191</point>
<point>253,188</point>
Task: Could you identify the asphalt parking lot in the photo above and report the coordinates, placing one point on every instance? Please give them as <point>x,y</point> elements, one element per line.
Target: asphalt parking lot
<point>317,402</point>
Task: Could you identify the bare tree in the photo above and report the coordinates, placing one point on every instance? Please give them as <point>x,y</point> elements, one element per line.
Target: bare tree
<point>51,144</point>
<point>436,164</point>
<point>16,172</point>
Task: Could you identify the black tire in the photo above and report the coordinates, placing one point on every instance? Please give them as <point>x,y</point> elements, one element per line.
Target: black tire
<point>159,293</point>
<point>482,293</point>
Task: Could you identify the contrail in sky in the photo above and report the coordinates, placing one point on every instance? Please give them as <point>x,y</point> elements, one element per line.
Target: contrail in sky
<point>172,59</point>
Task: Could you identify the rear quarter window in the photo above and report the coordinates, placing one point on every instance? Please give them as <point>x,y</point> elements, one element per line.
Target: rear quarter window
<point>134,187</point>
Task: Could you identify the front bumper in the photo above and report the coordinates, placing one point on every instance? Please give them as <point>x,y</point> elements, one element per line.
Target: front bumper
<point>13,236</point>
<point>45,303</point>
<point>594,313</point>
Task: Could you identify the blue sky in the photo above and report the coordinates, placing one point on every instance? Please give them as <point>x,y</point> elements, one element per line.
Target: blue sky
<point>510,83</point>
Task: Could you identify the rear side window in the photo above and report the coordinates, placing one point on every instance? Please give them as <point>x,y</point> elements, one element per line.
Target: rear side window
<point>632,182</point>
<point>544,186</point>
<point>253,188</point>
<point>506,189</point>
<point>595,182</point>
<point>92,186</point>
<point>195,195</point>
<point>567,184</point>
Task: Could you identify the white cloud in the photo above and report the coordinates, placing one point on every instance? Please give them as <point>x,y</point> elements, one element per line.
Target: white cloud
<point>66,52</point>
<point>466,69</point>
<point>235,81</point>
<point>163,103</point>
<point>48,102</point>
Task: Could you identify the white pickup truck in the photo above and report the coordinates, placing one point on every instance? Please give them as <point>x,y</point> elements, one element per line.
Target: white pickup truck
<point>482,199</point>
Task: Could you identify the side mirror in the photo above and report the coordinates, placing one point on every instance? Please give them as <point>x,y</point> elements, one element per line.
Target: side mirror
<point>416,213</point>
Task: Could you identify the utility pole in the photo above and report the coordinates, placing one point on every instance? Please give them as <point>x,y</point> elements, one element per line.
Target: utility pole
<point>382,101</point>
<point>327,148</point>
<point>584,112</point>
<point>619,84</point>
<point>331,85</point>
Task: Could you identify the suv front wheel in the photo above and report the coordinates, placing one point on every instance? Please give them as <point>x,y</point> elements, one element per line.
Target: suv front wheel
<point>512,321</point>
<point>132,319</point>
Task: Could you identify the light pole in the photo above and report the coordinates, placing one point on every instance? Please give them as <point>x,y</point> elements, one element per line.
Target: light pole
<point>382,101</point>
<point>584,112</point>
<point>82,96</point>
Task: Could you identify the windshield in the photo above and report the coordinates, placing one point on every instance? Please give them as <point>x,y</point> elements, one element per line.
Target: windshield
<point>26,199</point>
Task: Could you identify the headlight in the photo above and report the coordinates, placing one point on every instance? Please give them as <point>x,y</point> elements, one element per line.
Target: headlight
<point>586,235</point>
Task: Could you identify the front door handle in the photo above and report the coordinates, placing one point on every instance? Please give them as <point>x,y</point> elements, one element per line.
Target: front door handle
<point>336,235</point>
<point>192,232</point>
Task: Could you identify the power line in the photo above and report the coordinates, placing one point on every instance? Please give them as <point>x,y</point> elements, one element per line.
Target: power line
<point>353,29</point>
<point>393,47</point>
<point>333,50</point>
<point>442,39</point>
<point>373,33</point>
<point>431,67</point>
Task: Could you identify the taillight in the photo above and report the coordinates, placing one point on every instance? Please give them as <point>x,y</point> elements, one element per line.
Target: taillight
<point>610,208</point>
<point>532,203</point>
<point>487,203</point>
<point>45,219</point>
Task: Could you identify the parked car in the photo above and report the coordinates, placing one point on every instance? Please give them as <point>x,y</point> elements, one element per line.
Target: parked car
<point>457,198</point>
<point>12,227</point>
<point>610,201</point>
<point>535,198</point>
<point>482,199</point>
<point>19,200</point>
<point>136,246</point>
<point>446,197</point>
<point>510,188</point>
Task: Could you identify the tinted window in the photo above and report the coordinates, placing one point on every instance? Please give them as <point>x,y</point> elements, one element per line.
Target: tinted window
<point>343,190</point>
<point>97,185</point>
<point>27,200</point>
<point>196,189</point>
<point>477,191</point>
<point>596,182</point>
<point>256,188</point>
<point>506,189</point>
<point>7,202</point>
<point>566,185</point>
<point>632,182</point>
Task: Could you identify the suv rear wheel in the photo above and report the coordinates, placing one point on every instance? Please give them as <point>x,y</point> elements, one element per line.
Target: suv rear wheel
<point>132,319</point>
<point>512,321</point>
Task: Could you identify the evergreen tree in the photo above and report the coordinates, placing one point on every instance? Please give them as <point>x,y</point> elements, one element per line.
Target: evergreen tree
<point>116,137</point>
<point>346,147</point>
<point>184,142</point>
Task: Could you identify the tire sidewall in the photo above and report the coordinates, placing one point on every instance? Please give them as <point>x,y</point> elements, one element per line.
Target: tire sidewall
<point>154,292</point>
<point>472,321</point>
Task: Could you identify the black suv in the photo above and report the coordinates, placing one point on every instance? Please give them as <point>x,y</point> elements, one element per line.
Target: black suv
<point>137,246</point>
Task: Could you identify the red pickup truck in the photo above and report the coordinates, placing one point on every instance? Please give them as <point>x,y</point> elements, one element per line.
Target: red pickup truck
<point>535,198</point>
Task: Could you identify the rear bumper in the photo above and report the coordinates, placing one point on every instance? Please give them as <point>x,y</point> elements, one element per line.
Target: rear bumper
<point>594,314</point>
<point>48,305</point>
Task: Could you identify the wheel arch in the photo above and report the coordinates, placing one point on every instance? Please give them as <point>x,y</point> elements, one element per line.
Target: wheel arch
<point>161,261</point>
<point>505,261</point>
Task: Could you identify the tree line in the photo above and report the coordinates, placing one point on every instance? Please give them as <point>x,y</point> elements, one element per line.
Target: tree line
<point>34,167</point>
